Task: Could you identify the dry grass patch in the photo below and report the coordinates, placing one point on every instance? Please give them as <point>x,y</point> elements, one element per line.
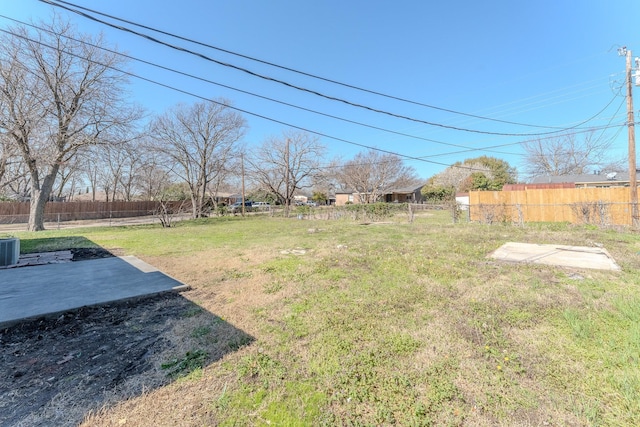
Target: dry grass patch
<point>403,324</point>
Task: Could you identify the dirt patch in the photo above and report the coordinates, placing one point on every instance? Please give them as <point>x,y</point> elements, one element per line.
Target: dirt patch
<point>56,370</point>
<point>81,254</point>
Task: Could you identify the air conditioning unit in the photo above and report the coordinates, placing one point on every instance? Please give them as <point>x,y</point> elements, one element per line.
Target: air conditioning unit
<point>9,252</point>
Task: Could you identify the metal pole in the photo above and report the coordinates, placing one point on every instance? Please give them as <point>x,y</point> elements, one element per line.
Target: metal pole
<point>286,174</point>
<point>633,184</point>
<point>242,171</point>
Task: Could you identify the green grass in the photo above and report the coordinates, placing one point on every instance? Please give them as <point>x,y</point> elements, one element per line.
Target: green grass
<point>406,324</point>
<point>183,366</point>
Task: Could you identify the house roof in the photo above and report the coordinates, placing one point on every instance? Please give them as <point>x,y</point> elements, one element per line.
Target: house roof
<point>613,177</point>
<point>226,194</point>
<point>405,190</point>
<point>410,189</point>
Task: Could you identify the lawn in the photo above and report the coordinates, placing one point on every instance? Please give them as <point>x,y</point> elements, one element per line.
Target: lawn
<point>392,323</point>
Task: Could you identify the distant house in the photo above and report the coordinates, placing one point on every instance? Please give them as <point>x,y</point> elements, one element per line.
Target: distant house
<point>344,197</point>
<point>100,196</point>
<point>411,194</point>
<point>300,199</point>
<point>227,198</point>
<point>597,179</point>
<point>397,195</point>
<point>462,199</point>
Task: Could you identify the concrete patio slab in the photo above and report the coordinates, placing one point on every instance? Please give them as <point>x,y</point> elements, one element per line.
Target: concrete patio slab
<point>560,255</point>
<point>35,291</point>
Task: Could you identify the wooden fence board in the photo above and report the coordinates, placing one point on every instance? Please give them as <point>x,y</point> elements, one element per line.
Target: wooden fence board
<point>18,212</point>
<point>603,206</point>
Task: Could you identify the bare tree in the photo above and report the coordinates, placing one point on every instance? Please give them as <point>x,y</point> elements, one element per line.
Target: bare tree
<point>327,181</point>
<point>112,161</point>
<point>198,140</point>
<point>282,166</point>
<point>130,170</point>
<point>90,165</point>
<point>566,154</point>
<point>68,178</point>
<point>456,176</point>
<point>59,93</point>
<point>152,176</point>
<point>372,173</point>
<point>118,168</point>
<point>6,153</point>
<point>11,170</point>
<point>124,170</point>
<point>479,173</point>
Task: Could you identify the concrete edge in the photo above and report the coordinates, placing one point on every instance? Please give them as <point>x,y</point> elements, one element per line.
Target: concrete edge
<point>146,268</point>
<point>138,263</point>
<point>138,298</point>
<point>532,261</point>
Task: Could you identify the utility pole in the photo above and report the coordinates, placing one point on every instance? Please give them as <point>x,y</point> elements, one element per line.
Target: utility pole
<point>633,183</point>
<point>242,172</point>
<point>286,174</point>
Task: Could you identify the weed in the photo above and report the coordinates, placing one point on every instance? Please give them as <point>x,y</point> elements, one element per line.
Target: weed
<point>273,287</point>
<point>236,274</point>
<point>261,366</point>
<point>441,389</point>
<point>401,345</point>
<point>191,312</point>
<point>201,331</point>
<point>629,307</point>
<point>183,366</point>
<point>579,322</point>
<point>283,267</point>
<point>240,342</point>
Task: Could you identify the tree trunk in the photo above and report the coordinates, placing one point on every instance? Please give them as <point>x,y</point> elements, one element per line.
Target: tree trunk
<point>39,197</point>
<point>202,199</point>
<point>36,211</point>
<point>194,208</point>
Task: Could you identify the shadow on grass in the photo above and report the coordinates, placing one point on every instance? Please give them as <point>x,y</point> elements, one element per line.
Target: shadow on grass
<point>80,247</point>
<point>58,370</point>
<point>59,366</point>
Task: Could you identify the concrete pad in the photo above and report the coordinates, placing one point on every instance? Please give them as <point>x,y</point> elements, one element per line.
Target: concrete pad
<point>560,255</point>
<point>35,291</point>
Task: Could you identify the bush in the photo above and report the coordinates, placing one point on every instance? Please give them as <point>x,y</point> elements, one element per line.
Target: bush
<point>375,211</point>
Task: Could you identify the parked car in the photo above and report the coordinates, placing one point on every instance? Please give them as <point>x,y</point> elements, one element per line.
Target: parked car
<point>261,205</point>
<point>237,207</point>
<point>312,204</point>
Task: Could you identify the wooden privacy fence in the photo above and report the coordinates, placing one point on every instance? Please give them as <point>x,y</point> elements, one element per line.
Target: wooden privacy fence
<point>599,206</point>
<point>18,212</point>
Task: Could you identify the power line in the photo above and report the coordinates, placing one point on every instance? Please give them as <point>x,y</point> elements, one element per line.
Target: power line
<point>603,128</point>
<point>543,103</point>
<point>353,104</point>
<point>293,70</point>
<point>610,120</point>
<point>466,148</point>
<point>253,94</point>
<point>533,100</point>
<point>242,90</point>
<point>322,134</point>
<point>537,104</point>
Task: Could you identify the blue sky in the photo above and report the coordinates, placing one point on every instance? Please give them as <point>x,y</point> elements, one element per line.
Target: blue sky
<point>545,63</point>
